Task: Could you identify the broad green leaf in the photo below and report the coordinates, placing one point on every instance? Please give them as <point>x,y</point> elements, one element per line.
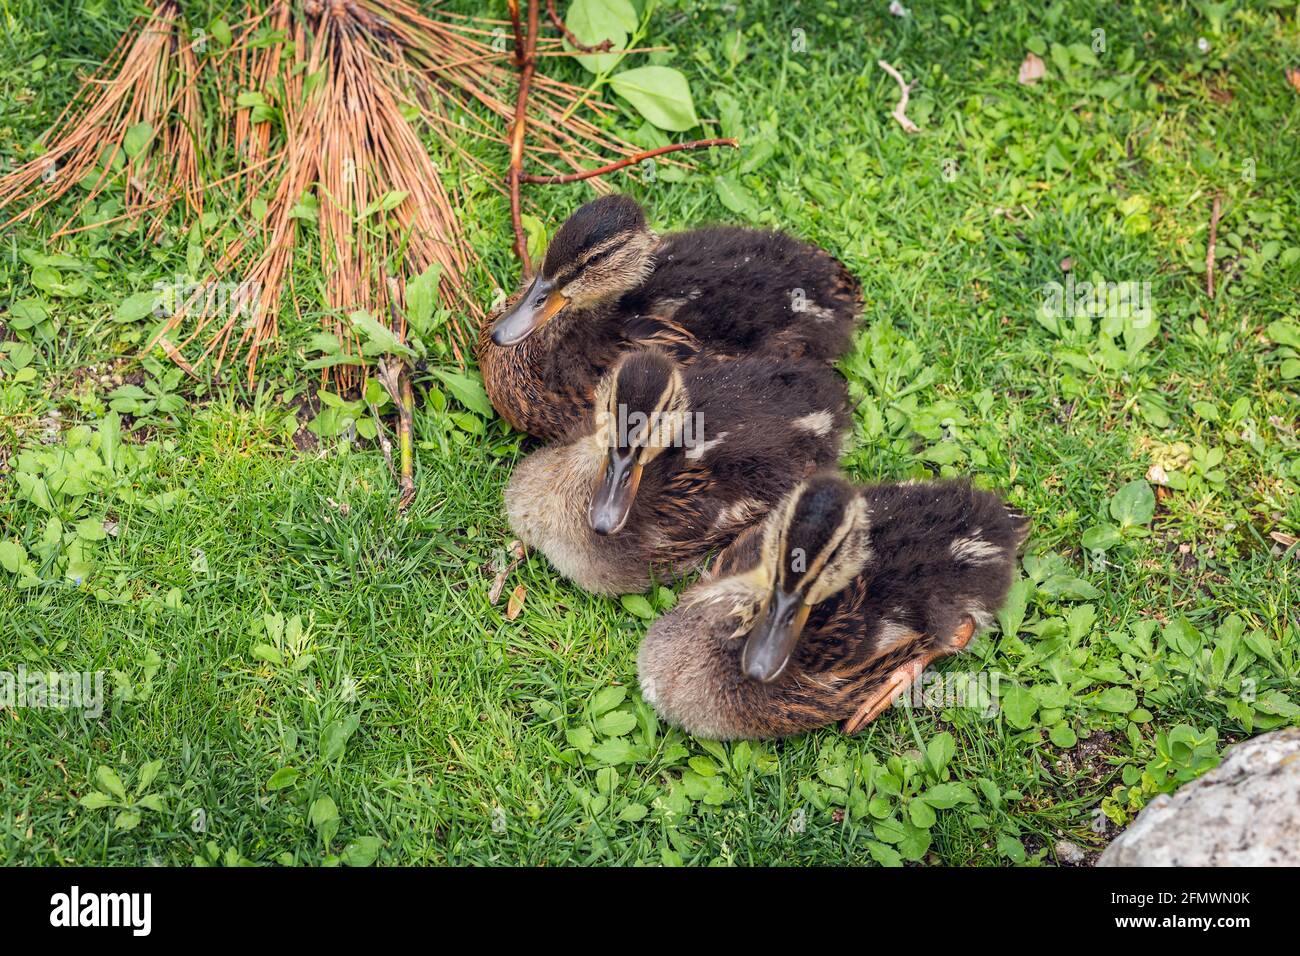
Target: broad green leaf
<point>110,439</point>
<point>731,117</point>
<point>944,796</point>
<point>607,699</point>
<point>265,652</point>
<point>1116,700</point>
<point>361,852</point>
<point>468,390</point>
<point>616,723</point>
<point>1012,613</point>
<point>915,843</point>
<point>96,800</point>
<point>593,21</point>
<point>127,820</point>
<point>220,31</point>
<point>615,750</point>
<point>385,203</point>
<point>1019,707</point>
<point>1134,504</point>
<point>735,196</point>
<point>633,812</point>
<point>110,781</point>
<point>921,814</point>
<point>324,817</point>
<point>580,738</point>
<point>282,778</point>
<point>1063,736</point>
<point>136,307</point>
<point>334,738</point>
<point>1101,537</point>
<point>12,555</point>
<point>422,298</point>
<point>940,750</point>
<point>660,94</point>
<point>638,605</point>
<point>883,854</point>
<point>27,313</point>
<point>91,529</point>
<point>1008,845</point>
<point>137,139</point>
<point>1284,332</point>
<point>379,339</point>
<point>323,811</point>
<point>148,773</point>
<point>1068,588</point>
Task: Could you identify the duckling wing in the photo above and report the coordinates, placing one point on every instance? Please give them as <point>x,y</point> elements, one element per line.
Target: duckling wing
<point>942,551</point>
<point>801,397</point>
<point>720,488</point>
<point>745,291</point>
<point>741,555</point>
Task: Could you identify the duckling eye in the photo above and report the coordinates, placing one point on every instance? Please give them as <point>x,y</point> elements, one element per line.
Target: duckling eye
<point>598,257</point>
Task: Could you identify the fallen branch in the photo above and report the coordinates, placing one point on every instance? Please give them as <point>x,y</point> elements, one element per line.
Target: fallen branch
<point>516,549</point>
<point>602,47</point>
<point>397,383</point>
<point>405,420</point>
<point>1209,252</point>
<point>526,57</point>
<point>629,161</point>
<point>900,111</point>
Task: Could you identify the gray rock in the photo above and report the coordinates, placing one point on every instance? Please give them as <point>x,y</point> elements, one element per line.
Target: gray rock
<point>1244,812</point>
<point>1068,852</point>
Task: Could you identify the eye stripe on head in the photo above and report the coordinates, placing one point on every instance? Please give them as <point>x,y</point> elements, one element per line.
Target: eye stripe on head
<point>818,538</point>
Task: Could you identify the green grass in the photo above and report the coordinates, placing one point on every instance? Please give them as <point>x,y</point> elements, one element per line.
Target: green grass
<point>454,735</point>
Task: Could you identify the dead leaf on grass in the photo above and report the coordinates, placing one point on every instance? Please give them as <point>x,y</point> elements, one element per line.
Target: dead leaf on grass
<point>1032,70</point>
<point>516,602</point>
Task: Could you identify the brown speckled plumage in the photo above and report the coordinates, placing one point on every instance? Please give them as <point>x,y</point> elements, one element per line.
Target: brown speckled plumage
<point>702,294</point>
<point>766,423</point>
<point>928,559</point>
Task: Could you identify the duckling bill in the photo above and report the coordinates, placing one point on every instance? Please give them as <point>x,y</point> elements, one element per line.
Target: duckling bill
<point>831,607</point>
<point>608,284</point>
<point>672,463</point>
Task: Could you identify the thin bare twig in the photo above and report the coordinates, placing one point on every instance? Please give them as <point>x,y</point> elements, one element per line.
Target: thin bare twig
<point>602,47</point>
<point>900,111</point>
<point>398,385</point>
<point>1209,252</point>
<point>528,64</point>
<point>629,161</point>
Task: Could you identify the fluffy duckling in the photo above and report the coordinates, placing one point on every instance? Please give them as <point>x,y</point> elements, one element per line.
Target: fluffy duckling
<point>831,607</point>
<point>673,463</point>
<point>609,284</point>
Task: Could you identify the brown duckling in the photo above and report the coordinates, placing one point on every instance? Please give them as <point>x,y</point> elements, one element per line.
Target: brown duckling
<point>673,463</point>
<point>609,284</point>
<point>831,607</point>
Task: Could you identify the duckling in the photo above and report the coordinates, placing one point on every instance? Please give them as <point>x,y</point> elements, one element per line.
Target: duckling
<point>672,463</point>
<point>608,284</point>
<point>831,607</point>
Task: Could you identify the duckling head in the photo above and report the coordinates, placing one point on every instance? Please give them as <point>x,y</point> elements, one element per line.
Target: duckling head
<point>814,545</point>
<point>640,405</point>
<point>602,251</point>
